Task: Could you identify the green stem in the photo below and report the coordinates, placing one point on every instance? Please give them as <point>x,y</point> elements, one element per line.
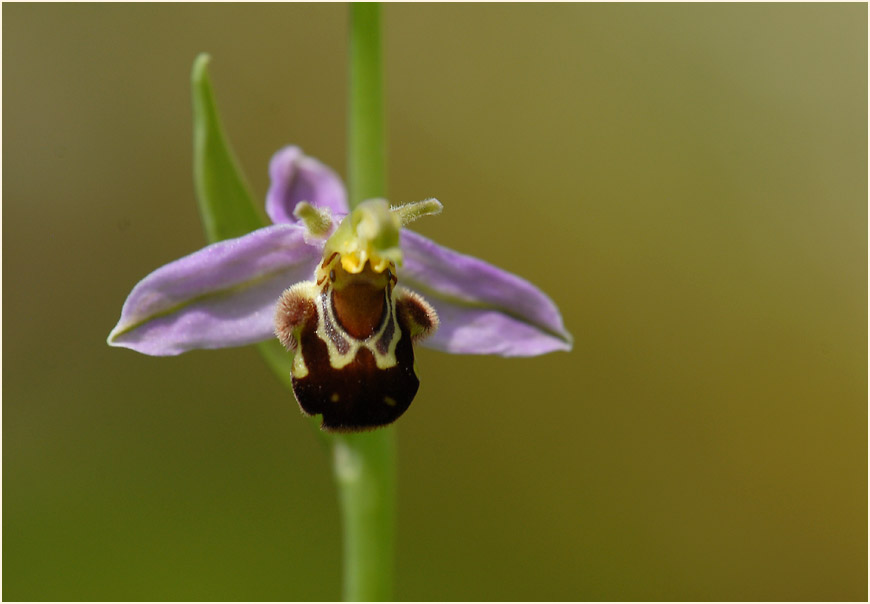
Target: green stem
<point>365,463</point>
<point>366,146</point>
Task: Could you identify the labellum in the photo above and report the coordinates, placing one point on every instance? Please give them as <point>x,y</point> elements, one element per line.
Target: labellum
<point>352,329</point>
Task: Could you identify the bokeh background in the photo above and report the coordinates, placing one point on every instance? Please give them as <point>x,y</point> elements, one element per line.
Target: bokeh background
<point>688,182</point>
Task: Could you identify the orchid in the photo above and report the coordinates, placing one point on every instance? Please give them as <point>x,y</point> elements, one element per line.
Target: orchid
<point>382,286</point>
<point>335,293</point>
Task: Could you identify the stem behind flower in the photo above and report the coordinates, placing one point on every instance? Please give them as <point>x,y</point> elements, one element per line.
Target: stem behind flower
<point>366,165</point>
<point>365,463</point>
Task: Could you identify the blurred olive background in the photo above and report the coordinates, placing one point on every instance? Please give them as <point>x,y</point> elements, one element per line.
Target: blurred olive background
<point>688,182</point>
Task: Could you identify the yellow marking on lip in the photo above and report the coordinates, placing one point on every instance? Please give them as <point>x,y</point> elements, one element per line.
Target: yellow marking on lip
<point>338,360</point>
<point>299,369</point>
<point>390,401</point>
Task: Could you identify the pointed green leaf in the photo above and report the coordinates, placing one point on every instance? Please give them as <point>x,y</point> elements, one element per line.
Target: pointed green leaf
<point>225,201</point>
<point>226,204</point>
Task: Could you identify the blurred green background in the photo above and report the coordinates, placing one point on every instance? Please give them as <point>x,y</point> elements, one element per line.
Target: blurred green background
<point>688,182</point>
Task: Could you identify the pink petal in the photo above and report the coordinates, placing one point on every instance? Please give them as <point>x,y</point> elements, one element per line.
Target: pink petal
<point>223,295</point>
<point>297,177</point>
<point>483,309</point>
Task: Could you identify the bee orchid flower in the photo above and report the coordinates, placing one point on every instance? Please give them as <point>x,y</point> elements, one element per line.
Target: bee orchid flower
<point>348,293</point>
